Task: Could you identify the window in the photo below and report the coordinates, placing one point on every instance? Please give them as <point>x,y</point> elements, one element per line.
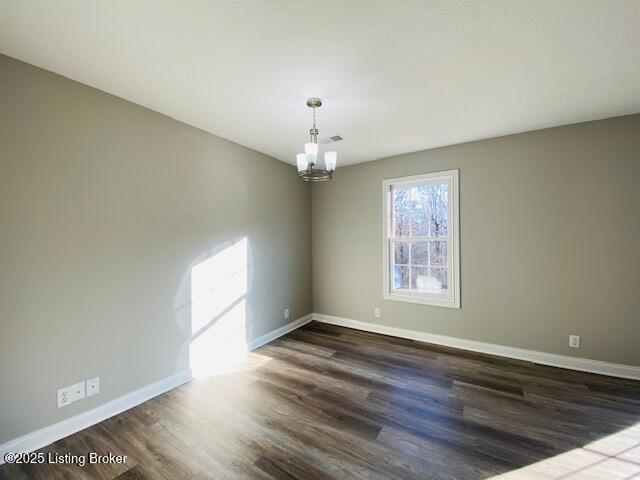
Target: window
<point>421,243</point>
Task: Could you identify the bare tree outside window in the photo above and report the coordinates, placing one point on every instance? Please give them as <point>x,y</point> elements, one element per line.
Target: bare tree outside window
<point>420,223</point>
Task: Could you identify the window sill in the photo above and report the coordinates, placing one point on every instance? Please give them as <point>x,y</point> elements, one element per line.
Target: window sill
<point>424,300</point>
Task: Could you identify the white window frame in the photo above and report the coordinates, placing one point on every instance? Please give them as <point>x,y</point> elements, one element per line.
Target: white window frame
<point>452,300</point>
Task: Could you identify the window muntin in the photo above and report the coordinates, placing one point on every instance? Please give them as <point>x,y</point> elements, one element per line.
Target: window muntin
<point>421,239</point>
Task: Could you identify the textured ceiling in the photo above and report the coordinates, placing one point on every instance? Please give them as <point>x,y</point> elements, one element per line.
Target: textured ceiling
<point>395,76</point>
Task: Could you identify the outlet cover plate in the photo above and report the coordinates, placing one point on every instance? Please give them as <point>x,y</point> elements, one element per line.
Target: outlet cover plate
<point>93,386</point>
<point>70,394</point>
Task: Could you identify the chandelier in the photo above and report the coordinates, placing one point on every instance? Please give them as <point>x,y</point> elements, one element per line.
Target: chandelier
<point>307,161</point>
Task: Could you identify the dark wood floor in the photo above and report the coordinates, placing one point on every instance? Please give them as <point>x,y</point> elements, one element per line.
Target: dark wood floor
<point>329,402</point>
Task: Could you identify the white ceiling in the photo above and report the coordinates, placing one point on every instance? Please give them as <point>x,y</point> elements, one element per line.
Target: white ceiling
<point>395,76</point>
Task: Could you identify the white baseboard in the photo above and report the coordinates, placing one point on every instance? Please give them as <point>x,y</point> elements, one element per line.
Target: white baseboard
<point>278,332</point>
<point>47,435</point>
<point>551,359</point>
<point>43,437</point>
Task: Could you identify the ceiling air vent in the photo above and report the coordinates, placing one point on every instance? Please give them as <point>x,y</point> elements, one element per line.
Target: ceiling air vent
<point>336,138</point>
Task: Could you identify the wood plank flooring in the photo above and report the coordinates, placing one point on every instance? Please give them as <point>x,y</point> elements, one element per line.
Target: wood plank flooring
<point>329,402</point>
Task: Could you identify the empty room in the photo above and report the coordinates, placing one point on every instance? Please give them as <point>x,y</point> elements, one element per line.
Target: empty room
<point>284,239</point>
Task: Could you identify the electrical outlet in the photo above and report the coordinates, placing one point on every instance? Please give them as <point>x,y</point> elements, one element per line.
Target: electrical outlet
<point>574,341</point>
<point>286,313</point>
<point>376,312</point>
<point>63,398</point>
<point>68,395</point>
<point>93,386</point>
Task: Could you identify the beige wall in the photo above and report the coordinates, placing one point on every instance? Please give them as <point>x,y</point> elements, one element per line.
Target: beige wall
<point>550,241</point>
<point>104,208</point>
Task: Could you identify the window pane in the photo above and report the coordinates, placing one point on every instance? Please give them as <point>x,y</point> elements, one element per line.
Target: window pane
<point>438,280</point>
<point>401,253</point>
<point>401,278</point>
<point>420,212</point>
<point>438,196</point>
<point>401,212</point>
<point>419,278</point>
<point>420,253</point>
<point>438,253</point>
<point>433,280</point>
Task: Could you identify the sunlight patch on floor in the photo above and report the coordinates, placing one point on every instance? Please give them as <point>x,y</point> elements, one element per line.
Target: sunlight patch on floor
<point>616,456</point>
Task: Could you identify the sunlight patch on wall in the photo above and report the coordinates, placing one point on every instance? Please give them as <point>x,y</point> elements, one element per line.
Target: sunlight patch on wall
<point>219,286</point>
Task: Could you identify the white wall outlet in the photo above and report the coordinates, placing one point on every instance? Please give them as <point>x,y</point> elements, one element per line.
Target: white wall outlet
<point>68,395</point>
<point>286,313</point>
<point>376,312</point>
<point>63,398</point>
<point>574,341</point>
<point>93,386</point>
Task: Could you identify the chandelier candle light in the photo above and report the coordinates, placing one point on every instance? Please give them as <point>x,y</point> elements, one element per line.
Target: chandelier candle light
<point>307,161</point>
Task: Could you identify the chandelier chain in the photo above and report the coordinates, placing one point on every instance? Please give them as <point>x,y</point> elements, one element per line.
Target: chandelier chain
<point>314,130</point>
